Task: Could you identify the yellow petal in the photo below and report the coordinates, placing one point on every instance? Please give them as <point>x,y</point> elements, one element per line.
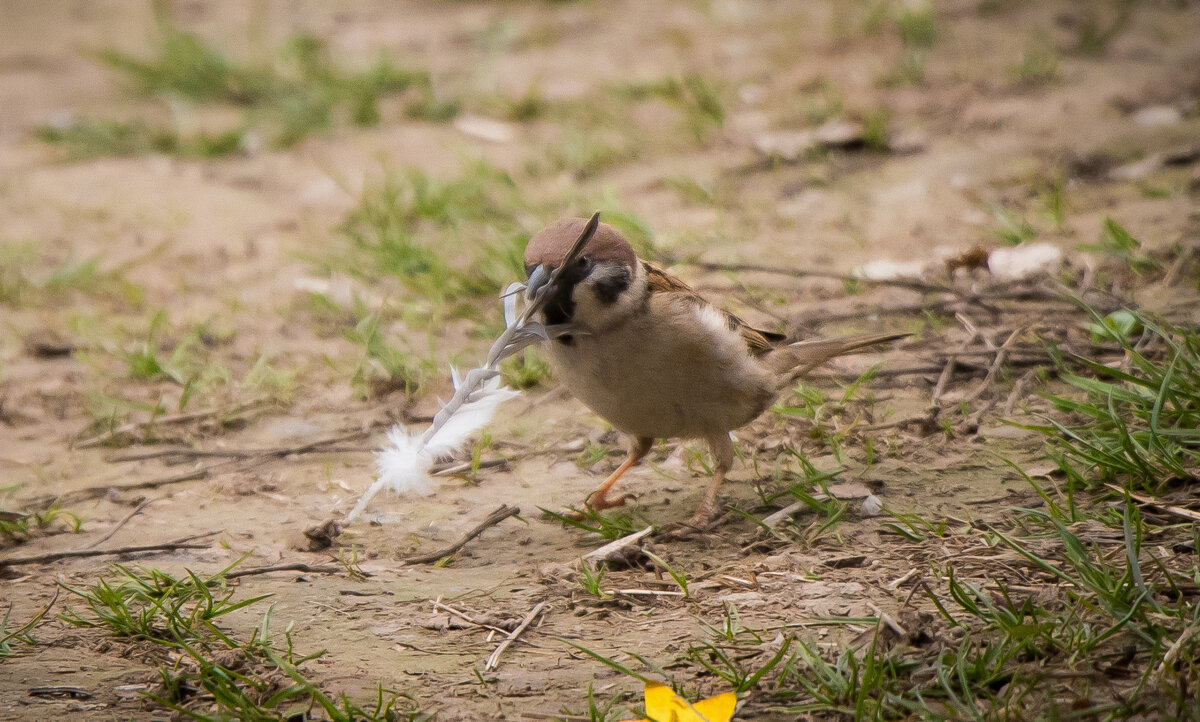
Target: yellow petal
<point>716,709</point>
<point>663,705</point>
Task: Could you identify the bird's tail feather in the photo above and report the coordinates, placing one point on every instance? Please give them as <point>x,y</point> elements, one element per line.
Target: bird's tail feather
<point>796,359</point>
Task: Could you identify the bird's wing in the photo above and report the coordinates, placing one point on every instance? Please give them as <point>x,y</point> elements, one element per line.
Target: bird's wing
<point>757,340</point>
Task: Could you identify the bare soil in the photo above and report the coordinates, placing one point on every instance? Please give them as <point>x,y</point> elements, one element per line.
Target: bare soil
<point>226,241</point>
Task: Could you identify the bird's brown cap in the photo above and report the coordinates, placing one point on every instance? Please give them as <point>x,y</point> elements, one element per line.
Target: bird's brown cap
<point>550,245</point>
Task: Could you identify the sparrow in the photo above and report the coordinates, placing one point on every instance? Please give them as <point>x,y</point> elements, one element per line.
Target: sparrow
<point>653,358</point>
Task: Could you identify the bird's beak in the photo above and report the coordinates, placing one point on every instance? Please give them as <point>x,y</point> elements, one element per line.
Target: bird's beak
<point>540,277</point>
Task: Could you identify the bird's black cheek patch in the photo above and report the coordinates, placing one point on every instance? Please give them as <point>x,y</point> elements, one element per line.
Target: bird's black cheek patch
<point>560,308</point>
<point>610,288</point>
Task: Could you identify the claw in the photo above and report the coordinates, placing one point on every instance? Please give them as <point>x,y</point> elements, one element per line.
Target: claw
<point>598,502</point>
<point>599,505</point>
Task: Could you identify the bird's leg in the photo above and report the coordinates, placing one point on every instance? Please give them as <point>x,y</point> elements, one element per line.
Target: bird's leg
<point>722,451</point>
<point>638,447</point>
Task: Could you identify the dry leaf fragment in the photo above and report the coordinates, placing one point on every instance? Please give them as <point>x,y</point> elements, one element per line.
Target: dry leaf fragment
<point>971,259</point>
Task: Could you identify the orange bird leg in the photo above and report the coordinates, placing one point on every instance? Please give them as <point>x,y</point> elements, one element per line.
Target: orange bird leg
<point>597,500</point>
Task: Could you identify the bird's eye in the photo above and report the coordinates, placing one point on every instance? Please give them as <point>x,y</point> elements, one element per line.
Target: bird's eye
<point>583,262</point>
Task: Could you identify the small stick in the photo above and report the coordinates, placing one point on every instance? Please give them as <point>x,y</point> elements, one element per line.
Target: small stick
<point>136,510</point>
<point>1173,652</point>
<point>1151,501</point>
<point>779,517</point>
<point>79,553</point>
<point>59,690</point>
<point>811,317</point>
<point>494,660</point>
<point>974,420</point>
<point>895,584</point>
<point>991,376</point>
<point>1173,272</point>
<point>603,552</point>
<point>948,370</point>
<point>95,492</point>
<point>493,519</point>
<point>439,604</point>
<point>891,623</point>
<point>308,448</point>
<point>291,567</point>
<point>648,592</point>
<point>459,467</point>
<point>997,363</point>
<point>166,420</point>
<point>943,379</point>
<point>1019,390</point>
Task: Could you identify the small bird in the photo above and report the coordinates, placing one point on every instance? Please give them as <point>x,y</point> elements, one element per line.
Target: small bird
<point>653,358</point>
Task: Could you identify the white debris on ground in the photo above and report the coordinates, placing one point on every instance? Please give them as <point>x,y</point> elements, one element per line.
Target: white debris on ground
<point>1009,264</point>
<point>492,131</point>
<point>886,270</point>
<point>1025,260</point>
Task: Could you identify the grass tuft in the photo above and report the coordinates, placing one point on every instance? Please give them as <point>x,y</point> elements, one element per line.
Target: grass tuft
<point>300,91</point>
<point>613,526</point>
<point>92,138</point>
<point>1039,65</point>
<point>408,225</point>
<point>917,27</point>
<point>1120,244</point>
<point>18,527</point>
<point>526,371</point>
<point>208,672</point>
<point>383,368</point>
<point>696,96</point>
<point>26,279</point>
<point>1136,426</point>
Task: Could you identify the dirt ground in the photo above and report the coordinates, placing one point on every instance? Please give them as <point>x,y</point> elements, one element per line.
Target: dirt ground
<point>229,243</point>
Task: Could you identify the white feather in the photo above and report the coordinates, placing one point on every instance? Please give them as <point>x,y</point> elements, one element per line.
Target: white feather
<point>404,464</point>
<point>469,418</point>
<point>511,295</point>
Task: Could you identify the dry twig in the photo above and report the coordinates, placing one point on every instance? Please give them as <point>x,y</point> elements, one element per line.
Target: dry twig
<point>95,492</point>
<point>1019,390</point>
<point>1151,501</point>
<point>117,527</point>
<point>439,604</point>
<point>615,547</point>
<point>319,446</point>
<point>493,519</point>
<point>994,368</point>
<point>291,567</point>
<point>168,419</point>
<point>494,660</point>
<point>887,620</point>
<point>776,518</point>
<point>183,543</point>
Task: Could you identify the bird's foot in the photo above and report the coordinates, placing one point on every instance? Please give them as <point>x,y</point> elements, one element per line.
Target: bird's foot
<point>598,503</point>
<point>704,519</point>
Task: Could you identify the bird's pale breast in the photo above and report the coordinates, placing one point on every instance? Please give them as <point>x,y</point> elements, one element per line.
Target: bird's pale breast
<point>675,370</point>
